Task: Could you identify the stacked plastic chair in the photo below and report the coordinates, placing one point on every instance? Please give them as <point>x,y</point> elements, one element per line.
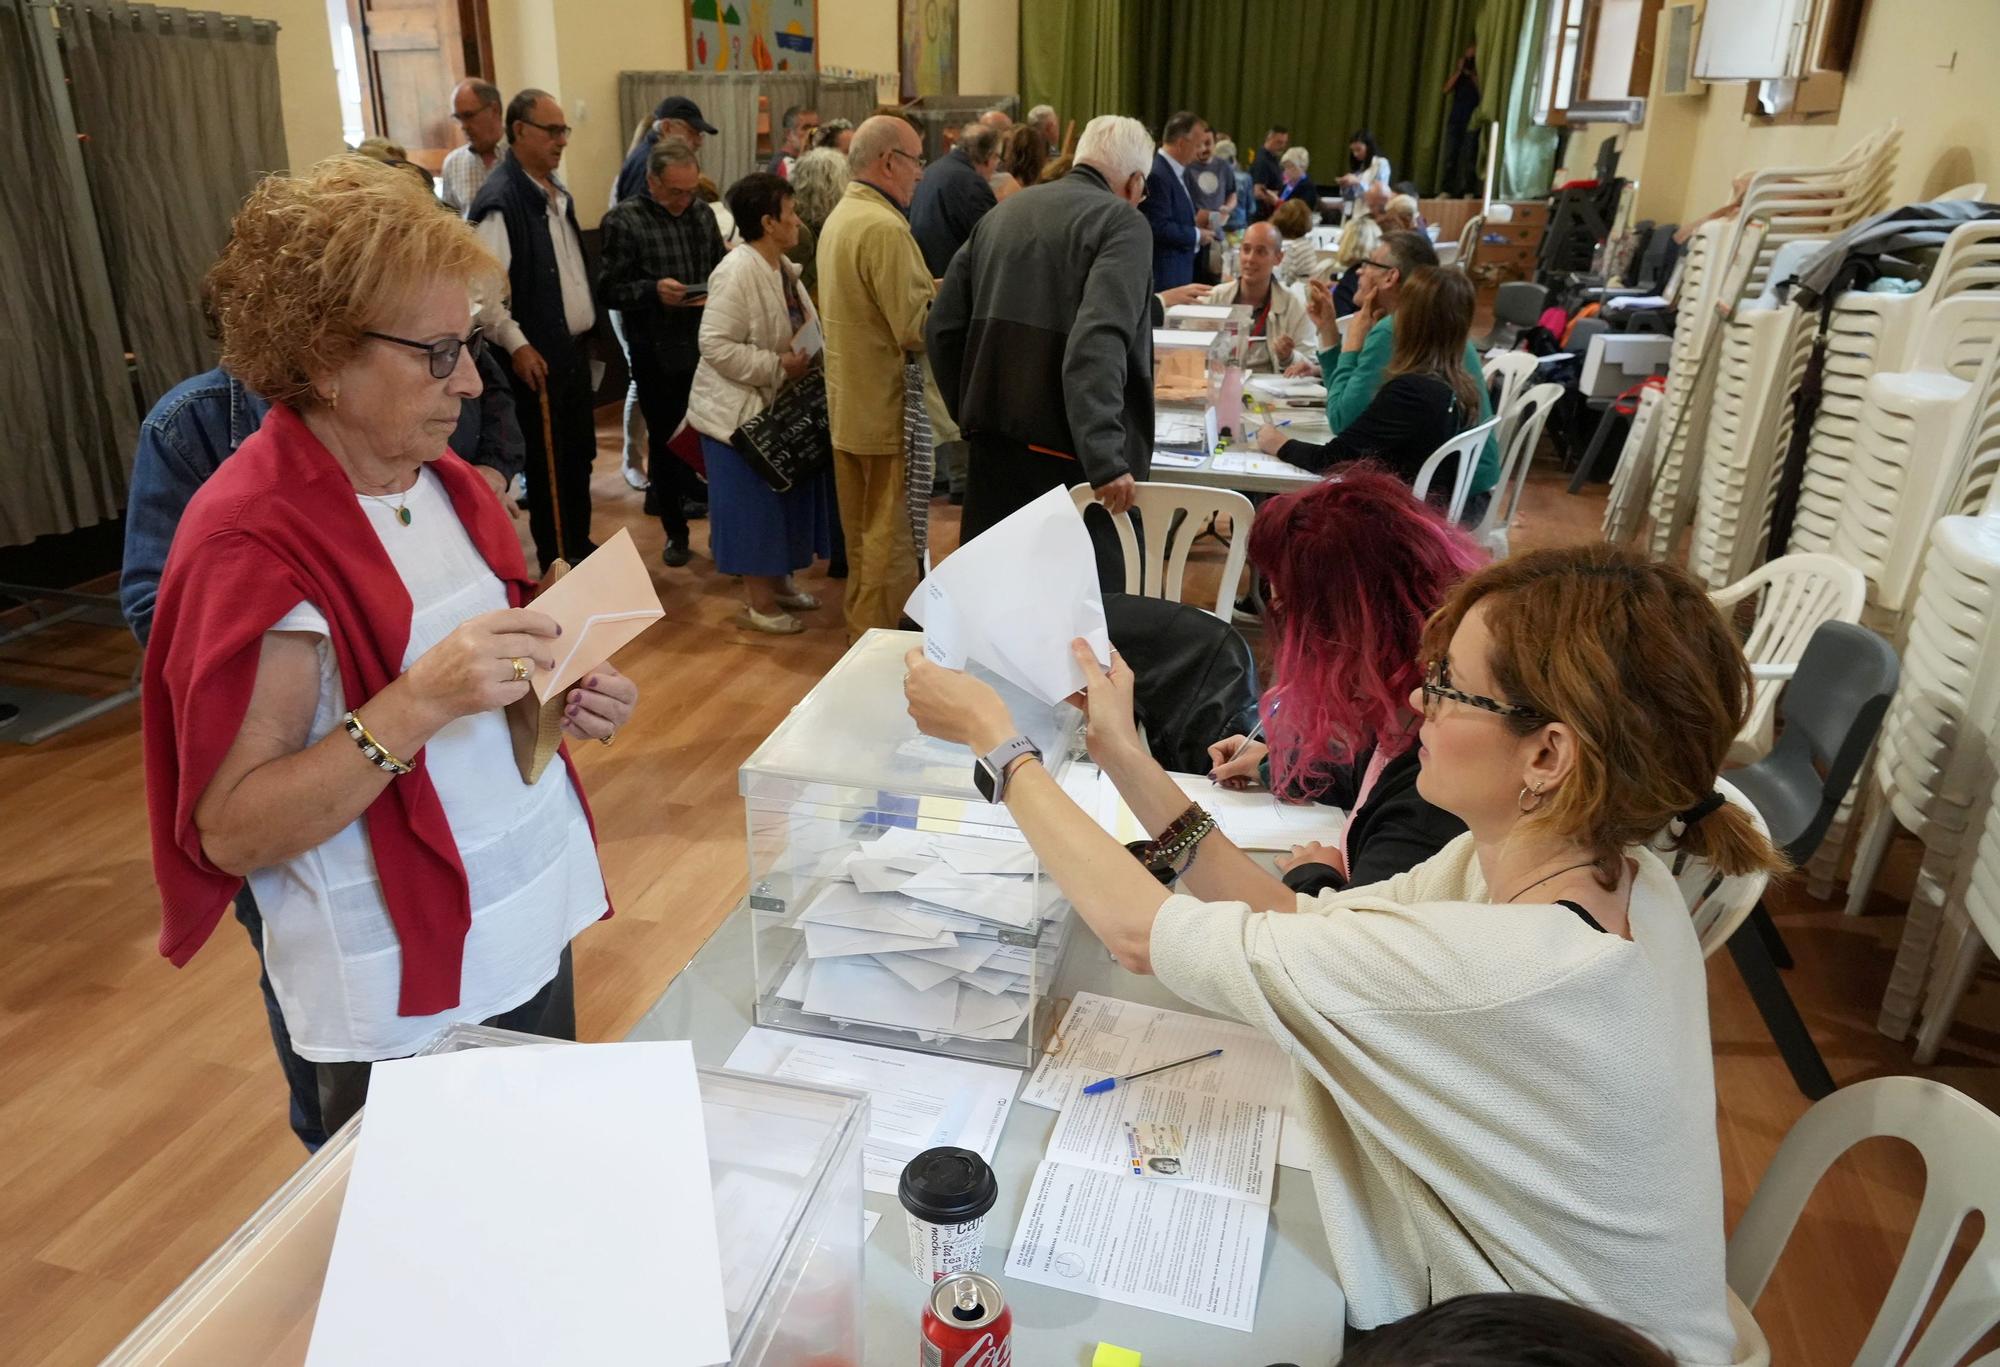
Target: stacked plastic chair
<point>1934,767</point>
<point>1819,201</point>
<point>1633,478</point>
<point>1763,355</point>
<point>1971,928</point>
<point>1878,333</point>
<point>1702,270</point>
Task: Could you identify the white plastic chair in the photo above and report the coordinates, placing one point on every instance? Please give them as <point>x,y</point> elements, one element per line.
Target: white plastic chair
<point>1466,445</point>
<point>1718,903</point>
<point>1468,241</point>
<point>1799,592</point>
<point>1958,1139</point>
<point>1161,569</point>
<point>1521,432</point>
<point>1515,371</point>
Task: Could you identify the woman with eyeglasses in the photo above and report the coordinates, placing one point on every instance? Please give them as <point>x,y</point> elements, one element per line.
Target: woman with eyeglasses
<point>338,627</point>
<point>1501,1057</point>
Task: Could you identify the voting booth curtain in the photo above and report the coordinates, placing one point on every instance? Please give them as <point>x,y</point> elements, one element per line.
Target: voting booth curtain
<point>728,100</point>
<point>1322,70</point>
<point>120,188</point>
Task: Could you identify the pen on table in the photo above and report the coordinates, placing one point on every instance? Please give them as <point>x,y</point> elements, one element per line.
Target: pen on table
<point>1255,732</point>
<point>1106,1084</point>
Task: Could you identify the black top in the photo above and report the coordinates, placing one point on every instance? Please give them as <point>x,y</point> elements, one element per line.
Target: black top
<point>1408,419</point>
<point>1265,170</point>
<point>1392,833</point>
<point>951,198</point>
<point>1464,93</point>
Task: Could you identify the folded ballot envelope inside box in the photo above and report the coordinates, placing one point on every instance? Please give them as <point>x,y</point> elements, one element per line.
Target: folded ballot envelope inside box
<point>891,903</point>
<point>785,1160</point>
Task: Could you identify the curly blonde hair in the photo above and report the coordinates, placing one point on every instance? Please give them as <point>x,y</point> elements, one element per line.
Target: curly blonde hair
<point>314,261</point>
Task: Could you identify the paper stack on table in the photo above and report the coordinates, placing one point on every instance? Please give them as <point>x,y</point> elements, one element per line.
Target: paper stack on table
<point>595,1153</point>
<point>1302,388</point>
<point>916,1101</point>
<point>927,931</point>
<point>1251,463</point>
<point>1156,1193</point>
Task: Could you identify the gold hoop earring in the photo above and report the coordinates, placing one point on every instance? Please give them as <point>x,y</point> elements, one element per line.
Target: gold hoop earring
<point>1521,803</point>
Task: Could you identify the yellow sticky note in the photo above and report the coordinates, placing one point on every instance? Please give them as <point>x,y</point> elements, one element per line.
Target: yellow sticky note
<point>1111,1355</point>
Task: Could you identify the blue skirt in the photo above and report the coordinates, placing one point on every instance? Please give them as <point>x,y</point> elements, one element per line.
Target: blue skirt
<point>752,528</point>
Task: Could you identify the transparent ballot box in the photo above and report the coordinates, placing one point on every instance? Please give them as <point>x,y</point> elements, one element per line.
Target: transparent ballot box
<point>786,1163</point>
<point>890,903</point>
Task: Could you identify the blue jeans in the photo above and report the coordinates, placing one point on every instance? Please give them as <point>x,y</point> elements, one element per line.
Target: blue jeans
<point>300,1076</point>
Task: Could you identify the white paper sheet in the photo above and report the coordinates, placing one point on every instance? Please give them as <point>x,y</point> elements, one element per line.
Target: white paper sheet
<point>1251,463</point>
<point>869,1219</point>
<point>1020,625</point>
<point>916,1102</point>
<point>468,1158</point>
<point>1255,820</point>
<point>1156,1245</point>
<point>841,905</point>
<point>1230,1146</point>
<point>1178,460</point>
<point>809,339</point>
<point>1105,1037</point>
<point>832,942</point>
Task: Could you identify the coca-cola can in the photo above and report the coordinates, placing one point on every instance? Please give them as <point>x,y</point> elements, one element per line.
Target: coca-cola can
<point>967,1324</point>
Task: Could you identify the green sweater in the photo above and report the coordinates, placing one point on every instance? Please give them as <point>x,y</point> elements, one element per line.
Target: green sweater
<point>1352,377</point>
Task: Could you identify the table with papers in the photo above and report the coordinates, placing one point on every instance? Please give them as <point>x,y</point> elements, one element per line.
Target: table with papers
<point>1242,468</point>
<point>1299,1308</point>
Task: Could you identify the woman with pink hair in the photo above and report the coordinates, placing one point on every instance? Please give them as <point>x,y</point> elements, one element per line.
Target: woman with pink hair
<point>1355,566</point>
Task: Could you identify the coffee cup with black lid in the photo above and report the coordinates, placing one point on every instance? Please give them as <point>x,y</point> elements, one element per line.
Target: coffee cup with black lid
<point>945,1193</point>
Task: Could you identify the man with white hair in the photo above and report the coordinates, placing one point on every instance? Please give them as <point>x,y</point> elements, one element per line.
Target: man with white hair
<point>1041,338</point>
<point>1042,118</point>
<point>875,293</point>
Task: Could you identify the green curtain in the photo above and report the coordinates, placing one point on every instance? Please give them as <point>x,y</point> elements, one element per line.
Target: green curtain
<point>1510,50</point>
<point>1081,56</point>
<point>1323,70</point>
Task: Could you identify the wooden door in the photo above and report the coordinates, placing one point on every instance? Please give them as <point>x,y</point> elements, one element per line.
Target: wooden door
<point>412,53</point>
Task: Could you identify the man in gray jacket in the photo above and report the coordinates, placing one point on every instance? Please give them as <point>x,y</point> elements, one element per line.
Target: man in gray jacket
<point>1041,338</point>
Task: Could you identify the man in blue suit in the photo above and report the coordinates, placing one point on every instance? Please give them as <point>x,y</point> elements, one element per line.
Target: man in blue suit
<point>1178,230</point>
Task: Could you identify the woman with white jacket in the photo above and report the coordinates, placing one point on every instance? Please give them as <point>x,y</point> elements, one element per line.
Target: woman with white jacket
<point>755,311</point>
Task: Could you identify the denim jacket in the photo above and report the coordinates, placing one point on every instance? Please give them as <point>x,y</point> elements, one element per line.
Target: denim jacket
<point>201,421</point>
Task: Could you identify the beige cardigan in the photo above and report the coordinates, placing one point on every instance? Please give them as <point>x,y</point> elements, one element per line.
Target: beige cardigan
<point>875,295</point>
<point>745,331</point>
<point>1495,1097</point>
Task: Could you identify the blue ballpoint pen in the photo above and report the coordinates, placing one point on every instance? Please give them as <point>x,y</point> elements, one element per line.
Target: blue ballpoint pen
<point>1106,1084</point>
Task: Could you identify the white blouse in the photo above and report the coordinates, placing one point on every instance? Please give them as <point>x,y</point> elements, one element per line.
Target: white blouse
<point>329,946</point>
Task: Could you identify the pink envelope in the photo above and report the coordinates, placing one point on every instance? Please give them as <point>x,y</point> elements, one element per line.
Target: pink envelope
<point>601,605</point>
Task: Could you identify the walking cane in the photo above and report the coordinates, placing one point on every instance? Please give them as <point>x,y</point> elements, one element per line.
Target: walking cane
<point>549,455</point>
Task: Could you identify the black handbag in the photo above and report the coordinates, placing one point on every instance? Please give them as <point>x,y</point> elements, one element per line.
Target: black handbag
<point>792,440</point>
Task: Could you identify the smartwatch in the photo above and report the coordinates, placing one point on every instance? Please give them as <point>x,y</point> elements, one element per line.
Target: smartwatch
<point>989,772</point>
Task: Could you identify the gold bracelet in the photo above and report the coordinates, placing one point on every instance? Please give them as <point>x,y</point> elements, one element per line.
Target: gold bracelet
<point>378,754</point>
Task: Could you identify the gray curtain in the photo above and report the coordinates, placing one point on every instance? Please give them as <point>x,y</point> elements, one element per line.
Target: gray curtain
<point>67,415</point>
<point>728,100</point>
<point>845,97</point>
<point>167,168</point>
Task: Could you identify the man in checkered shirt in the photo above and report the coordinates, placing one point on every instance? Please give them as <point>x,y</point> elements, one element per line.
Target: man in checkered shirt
<point>475,108</point>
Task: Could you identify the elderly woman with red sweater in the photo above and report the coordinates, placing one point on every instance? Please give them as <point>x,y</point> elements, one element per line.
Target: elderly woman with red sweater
<point>339,625</point>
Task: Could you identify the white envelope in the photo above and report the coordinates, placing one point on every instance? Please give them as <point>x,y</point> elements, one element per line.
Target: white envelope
<point>970,854</point>
<point>841,905</point>
<point>983,1016</point>
<point>899,842</point>
<point>968,957</point>
<point>992,980</point>
<point>879,875</point>
<point>918,973</point>
<point>863,990</point>
<point>979,607</point>
<point>829,942</point>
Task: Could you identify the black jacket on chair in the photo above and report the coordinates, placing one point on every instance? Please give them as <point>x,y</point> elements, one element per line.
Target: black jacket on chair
<point>1195,680</point>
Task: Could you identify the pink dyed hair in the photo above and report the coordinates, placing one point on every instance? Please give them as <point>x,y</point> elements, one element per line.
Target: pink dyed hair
<point>1356,565</point>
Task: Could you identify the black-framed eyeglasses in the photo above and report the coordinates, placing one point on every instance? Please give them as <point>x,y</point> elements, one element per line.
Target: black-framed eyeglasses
<point>554,130</point>
<point>899,152</point>
<point>1378,265</point>
<point>443,355</point>
<point>1437,684</point>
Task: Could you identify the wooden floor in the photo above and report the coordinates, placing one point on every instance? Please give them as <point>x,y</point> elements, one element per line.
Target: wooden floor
<point>142,1117</point>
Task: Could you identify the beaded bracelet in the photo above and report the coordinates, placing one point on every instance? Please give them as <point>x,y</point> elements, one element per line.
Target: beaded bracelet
<point>1175,849</point>
<point>378,754</point>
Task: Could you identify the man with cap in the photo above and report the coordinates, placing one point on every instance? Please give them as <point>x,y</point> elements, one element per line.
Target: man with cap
<point>674,117</point>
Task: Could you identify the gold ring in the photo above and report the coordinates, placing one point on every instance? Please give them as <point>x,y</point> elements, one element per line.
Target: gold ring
<point>520,668</point>
<point>606,740</point>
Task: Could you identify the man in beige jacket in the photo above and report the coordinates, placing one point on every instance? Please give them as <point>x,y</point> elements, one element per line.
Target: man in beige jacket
<point>874,296</point>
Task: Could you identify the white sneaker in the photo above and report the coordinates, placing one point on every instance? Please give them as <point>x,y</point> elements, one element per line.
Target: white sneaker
<point>798,602</point>
<point>777,623</point>
<point>636,477</point>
